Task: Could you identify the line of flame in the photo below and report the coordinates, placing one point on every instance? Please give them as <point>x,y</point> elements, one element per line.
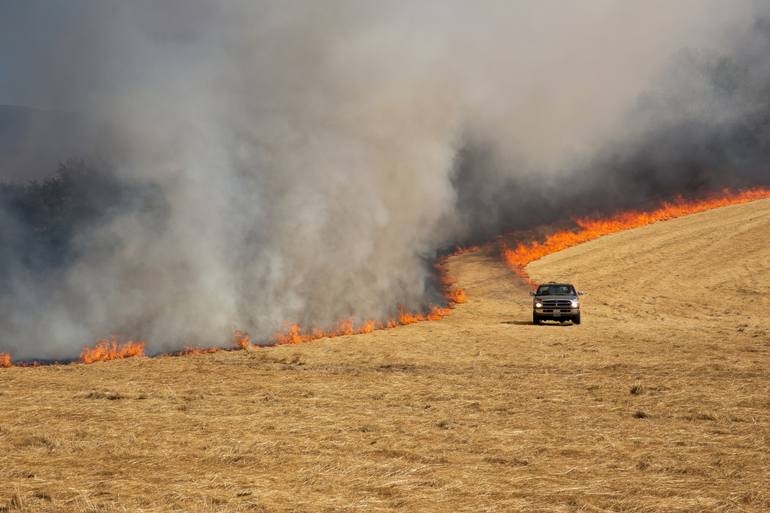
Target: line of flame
<point>516,258</point>
<point>295,334</point>
<point>114,349</point>
<point>592,228</point>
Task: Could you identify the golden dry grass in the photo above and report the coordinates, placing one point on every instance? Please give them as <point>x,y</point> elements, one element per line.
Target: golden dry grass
<point>659,401</point>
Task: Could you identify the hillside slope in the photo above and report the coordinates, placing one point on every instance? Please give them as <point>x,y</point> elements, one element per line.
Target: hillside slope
<point>657,402</point>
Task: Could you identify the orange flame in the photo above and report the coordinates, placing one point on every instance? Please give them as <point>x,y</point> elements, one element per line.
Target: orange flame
<point>294,334</point>
<point>241,340</point>
<point>111,350</point>
<point>405,317</point>
<point>457,296</point>
<point>592,228</point>
<point>367,327</point>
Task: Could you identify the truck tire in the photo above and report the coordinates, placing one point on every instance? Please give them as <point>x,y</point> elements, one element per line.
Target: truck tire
<point>576,319</point>
<point>536,319</point>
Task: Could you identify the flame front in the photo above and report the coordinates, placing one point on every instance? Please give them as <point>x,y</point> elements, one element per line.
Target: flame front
<point>111,349</point>
<point>592,228</point>
<point>516,258</point>
<point>241,340</point>
<point>294,334</point>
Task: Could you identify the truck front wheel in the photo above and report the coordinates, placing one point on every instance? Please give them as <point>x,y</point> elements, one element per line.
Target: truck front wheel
<point>576,319</point>
<point>535,319</point>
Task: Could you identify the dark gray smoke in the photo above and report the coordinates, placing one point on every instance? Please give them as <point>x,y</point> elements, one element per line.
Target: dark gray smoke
<point>702,125</point>
<point>33,142</point>
<point>256,163</point>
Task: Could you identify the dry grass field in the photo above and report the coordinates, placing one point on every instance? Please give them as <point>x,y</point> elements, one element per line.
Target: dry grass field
<point>659,401</point>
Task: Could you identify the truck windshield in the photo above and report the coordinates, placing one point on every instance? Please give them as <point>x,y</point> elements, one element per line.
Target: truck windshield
<point>556,290</point>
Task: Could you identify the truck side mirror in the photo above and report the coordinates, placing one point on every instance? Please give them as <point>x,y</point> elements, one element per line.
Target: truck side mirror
<point>531,293</point>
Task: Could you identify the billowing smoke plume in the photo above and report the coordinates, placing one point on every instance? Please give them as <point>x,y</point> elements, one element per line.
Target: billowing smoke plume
<point>253,163</point>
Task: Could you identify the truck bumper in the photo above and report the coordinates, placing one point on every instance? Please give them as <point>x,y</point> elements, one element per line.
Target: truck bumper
<point>556,313</point>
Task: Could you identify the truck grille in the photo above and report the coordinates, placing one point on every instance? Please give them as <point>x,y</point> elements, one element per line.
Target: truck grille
<point>557,303</point>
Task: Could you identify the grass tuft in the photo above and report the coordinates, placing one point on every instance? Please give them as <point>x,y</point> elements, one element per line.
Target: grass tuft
<point>109,396</point>
<point>444,424</point>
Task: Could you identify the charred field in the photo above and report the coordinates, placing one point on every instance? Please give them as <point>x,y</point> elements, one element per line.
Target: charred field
<point>657,402</point>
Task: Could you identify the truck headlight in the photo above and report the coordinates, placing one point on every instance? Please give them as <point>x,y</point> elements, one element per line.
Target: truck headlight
<point>538,304</point>
<point>575,303</point>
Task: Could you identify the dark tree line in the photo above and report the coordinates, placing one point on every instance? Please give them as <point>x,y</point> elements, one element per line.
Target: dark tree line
<point>41,221</point>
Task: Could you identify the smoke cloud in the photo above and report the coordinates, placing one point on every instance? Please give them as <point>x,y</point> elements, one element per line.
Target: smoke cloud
<point>268,162</point>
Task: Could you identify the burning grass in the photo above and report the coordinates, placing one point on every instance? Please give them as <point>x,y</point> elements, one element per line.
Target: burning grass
<point>592,228</point>
<point>516,258</point>
<point>296,334</point>
<point>111,349</point>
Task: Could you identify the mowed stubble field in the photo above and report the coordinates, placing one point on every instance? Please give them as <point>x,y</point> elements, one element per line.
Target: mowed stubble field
<point>660,401</point>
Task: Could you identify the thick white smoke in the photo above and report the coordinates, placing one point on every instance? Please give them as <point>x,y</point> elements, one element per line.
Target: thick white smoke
<point>303,156</point>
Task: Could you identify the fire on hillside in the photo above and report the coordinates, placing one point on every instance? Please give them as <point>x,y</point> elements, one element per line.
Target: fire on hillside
<point>295,334</point>
<point>592,228</point>
<point>516,258</point>
<point>113,349</point>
